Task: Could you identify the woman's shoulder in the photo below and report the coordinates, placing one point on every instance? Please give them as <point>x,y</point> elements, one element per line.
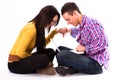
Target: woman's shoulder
<point>30,25</point>
<point>29,28</point>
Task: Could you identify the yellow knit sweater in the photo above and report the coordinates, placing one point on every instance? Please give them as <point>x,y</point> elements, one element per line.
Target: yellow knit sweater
<point>25,42</point>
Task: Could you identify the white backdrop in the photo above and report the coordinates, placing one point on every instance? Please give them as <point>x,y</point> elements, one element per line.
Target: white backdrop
<point>16,13</point>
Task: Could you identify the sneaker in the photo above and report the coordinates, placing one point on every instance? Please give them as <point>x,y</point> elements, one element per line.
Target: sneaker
<point>65,70</point>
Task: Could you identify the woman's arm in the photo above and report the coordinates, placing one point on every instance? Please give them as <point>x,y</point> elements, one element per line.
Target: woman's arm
<point>51,35</point>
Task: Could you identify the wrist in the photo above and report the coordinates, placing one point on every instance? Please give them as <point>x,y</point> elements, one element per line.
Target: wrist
<point>68,30</point>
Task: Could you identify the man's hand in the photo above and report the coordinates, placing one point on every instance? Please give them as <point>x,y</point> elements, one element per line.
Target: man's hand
<point>80,48</point>
<point>63,31</point>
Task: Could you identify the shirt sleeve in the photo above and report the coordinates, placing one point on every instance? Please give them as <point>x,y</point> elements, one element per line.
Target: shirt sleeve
<point>50,36</point>
<point>74,32</point>
<point>97,40</point>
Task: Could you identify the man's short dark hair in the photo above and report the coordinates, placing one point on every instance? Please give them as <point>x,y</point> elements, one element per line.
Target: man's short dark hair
<point>69,7</point>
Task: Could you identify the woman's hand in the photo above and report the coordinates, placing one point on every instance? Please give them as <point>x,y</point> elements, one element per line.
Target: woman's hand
<point>80,48</point>
<point>14,58</point>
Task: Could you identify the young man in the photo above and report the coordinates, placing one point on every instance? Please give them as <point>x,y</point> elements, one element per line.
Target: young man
<point>92,41</point>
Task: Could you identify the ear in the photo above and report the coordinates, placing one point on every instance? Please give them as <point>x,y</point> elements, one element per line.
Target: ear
<point>75,13</point>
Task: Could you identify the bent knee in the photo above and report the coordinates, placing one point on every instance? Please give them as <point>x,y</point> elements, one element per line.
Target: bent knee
<point>63,54</point>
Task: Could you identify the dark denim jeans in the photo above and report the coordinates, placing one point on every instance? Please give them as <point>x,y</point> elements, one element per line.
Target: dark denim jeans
<point>80,62</point>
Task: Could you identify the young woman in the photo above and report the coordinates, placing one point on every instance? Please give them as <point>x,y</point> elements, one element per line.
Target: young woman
<point>21,59</point>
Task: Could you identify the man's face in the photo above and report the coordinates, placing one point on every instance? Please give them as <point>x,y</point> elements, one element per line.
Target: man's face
<point>71,19</point>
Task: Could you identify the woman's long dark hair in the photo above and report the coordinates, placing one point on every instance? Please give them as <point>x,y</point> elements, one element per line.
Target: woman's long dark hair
<point>43,19</point>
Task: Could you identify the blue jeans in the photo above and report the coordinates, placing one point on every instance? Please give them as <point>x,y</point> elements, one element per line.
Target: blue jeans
<point>79,62</point>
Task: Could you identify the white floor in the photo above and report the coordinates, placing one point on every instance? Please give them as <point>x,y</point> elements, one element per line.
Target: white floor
<point>17,13</point>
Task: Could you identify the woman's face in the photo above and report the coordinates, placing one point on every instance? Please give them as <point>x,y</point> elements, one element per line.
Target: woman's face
<point>53,22</point>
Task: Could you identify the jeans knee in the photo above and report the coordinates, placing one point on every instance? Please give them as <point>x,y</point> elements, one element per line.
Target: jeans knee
<point>62,53</point>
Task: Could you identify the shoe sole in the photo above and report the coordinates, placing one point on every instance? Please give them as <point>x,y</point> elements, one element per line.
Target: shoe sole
<point>61,70</point>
